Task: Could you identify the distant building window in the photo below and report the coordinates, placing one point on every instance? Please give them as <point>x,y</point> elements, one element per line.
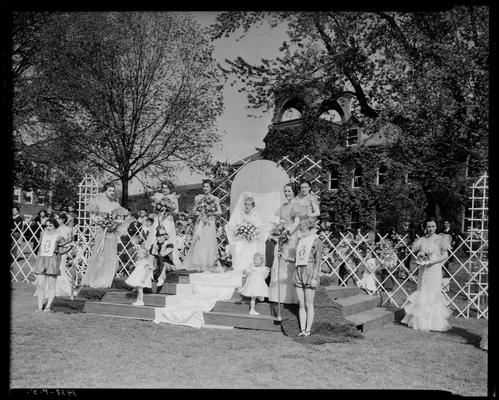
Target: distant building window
<point>290,114</point>
<point>331,115</point>
<point>352,137</point>
<point>354,220</point>
<point>28,197</point>
<point>333,179</point>
<point>357,177</point>
<point>17,195</point>
<point>380,180</point>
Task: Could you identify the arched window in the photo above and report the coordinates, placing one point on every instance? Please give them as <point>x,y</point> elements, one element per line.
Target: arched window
<point>357,177</point>
<point>381,177</point>
<point>331,115</point>
<point>290,114</point>
<point>333,179</point>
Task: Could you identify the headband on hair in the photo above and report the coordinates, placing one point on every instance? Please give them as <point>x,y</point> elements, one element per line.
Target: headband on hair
<point>248,196</point>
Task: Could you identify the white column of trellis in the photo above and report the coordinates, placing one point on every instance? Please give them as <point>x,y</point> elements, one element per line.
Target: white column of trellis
<point>85,230</point>
<point>477,286</point>
<point>224,195</point>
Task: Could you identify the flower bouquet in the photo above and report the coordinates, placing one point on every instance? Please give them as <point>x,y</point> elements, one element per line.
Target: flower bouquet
<point>164,205</point>
<point>248,231</point>
<point>279,234</point>
<point>423,257</point>
<point>206,207</point>
<point>109,223</point>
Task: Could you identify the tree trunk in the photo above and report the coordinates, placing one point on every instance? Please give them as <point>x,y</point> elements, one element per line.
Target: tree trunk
<point>124,191</point>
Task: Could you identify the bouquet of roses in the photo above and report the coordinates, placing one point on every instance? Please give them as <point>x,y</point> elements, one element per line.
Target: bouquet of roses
<point>248,231</point>
<point>164,205</point>
<point>279,233</point>
<point>423,257</point>
<point>206,207</point>
<point>108,223</point>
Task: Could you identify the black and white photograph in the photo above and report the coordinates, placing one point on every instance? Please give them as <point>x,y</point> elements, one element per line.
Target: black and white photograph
<point>249,199</point>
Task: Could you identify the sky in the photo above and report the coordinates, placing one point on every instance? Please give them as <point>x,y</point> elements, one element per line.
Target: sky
<point>240,134</point>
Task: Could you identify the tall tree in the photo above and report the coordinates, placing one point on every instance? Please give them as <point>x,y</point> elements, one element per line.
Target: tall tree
<point>141,89</point>
<point>426,73</point>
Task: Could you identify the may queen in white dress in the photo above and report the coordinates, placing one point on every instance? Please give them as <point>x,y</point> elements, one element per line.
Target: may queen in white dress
<point>427,307</point>
<point>242,249</point>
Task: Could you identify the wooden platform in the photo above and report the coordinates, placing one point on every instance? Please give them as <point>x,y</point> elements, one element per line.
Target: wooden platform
<point>359,308</point>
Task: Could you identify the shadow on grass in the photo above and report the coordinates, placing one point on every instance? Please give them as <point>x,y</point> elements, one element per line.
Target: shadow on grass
<point>470,337</point>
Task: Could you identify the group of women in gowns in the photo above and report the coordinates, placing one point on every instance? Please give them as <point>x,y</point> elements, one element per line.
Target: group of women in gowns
<point>425,310</point>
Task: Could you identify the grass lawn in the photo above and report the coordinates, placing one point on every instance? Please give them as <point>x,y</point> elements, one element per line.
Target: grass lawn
<point>54,350</point>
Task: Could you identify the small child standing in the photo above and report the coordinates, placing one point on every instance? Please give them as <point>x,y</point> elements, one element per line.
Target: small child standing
<point>141,276</point>
<point>255,286</point>
<point>368,281</point>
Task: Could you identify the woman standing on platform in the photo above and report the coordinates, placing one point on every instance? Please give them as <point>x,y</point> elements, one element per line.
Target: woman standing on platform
<point>103,263</point>
<point>203,252</point>
<point>426,308</point>
<point>165,219</point>
<point>281,281</point>
<point>307,202</point>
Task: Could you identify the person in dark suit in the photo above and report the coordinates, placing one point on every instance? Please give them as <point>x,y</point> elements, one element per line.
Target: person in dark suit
<point>162,252</point>
<point>17,227</point>
<point>451,236</point>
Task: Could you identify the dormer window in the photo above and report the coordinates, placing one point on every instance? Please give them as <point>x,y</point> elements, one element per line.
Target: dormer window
<point>357,177</point>
<point>333,179</point>
<point>352,137</point>
<point>381,176</point>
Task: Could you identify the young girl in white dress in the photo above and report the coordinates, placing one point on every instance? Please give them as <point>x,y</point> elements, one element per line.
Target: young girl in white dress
<point>368,281</point>
<point>255,286</point>
<point>141,276</point>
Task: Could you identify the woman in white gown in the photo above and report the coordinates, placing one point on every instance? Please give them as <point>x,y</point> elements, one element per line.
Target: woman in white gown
<point>427,307</point>
<point>243,250</point>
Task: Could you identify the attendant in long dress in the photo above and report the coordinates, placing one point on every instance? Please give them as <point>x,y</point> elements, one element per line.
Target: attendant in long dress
<point>164,220</point>
<point>307,203</point>
<point>242,249</point>
<point>426,308</point>
<point>103,262</point>
<point>203,252</point>
<point>281,281</point>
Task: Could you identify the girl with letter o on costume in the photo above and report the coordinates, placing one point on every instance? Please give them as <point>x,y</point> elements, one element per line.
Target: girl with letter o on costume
<point>306,275</point>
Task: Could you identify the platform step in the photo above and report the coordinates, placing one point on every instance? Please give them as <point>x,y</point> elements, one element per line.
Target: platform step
<point>166,288</point>
<point>151,300</point>
<point>238,320</point>
<point>240,306</point>
<point>358,303</point>
<point>375,318</point>
<point>340,292</point>
<point>119,310</point>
